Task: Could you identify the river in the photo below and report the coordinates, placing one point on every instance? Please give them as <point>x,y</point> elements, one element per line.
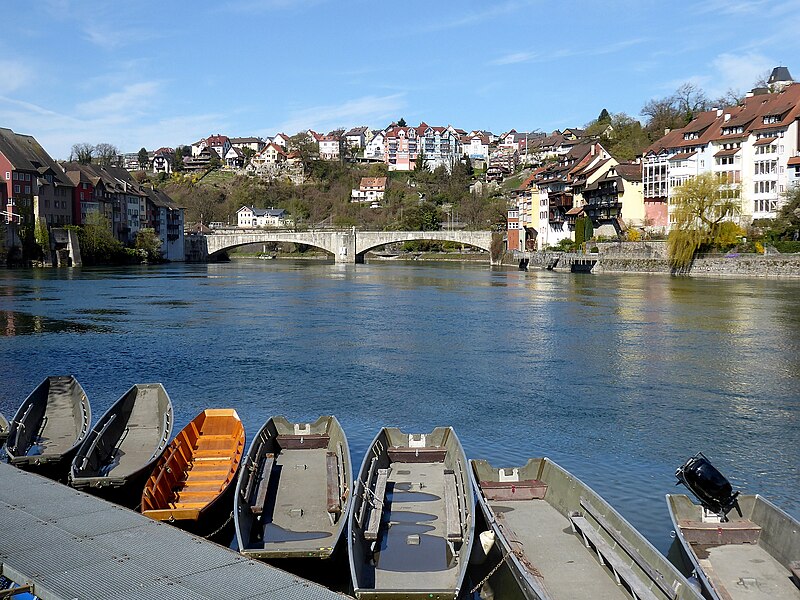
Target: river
<point>619,378</point>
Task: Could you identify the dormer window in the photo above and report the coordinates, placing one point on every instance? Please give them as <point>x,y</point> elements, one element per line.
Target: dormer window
<point>768,119</point>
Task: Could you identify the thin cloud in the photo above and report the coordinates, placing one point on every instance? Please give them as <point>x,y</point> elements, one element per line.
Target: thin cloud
<point>535,57</point>
<point>130,98</point>
<point>16,75</point>
<point>479,16</point>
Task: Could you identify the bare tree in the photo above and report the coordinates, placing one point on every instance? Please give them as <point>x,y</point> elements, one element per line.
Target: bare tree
<point>690,100</point>
<point>83,153</point>
<point>106,154</point>
<point>762,81</point>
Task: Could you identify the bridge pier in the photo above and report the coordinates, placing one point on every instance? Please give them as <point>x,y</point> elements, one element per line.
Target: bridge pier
<point>346,253</point>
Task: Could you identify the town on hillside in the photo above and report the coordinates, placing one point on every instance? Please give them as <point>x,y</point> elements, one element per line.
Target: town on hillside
<point>610,179</point>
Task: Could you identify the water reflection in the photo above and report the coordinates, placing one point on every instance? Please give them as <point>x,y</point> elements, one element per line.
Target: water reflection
<point>14,323</point>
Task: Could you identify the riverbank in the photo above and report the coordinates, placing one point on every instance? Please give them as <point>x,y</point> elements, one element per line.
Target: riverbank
<point>651,258</point>
<point>425,256</point>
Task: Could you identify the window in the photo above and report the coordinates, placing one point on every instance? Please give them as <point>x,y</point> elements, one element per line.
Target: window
<point>16,176</point>
<point>16,188</point>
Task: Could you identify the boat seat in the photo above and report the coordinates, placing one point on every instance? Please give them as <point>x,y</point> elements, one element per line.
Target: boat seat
<point>719,534</point>
<point>408,454</point>
<point>451,513</point>
<point>527,489</point>
<point>309,441</point>
<point>257,506</point>
<point>377,502</point>
<point>334,497</point>
<point>607,556</point>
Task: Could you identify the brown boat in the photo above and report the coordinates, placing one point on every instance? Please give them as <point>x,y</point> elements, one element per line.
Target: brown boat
<point>189,483</point>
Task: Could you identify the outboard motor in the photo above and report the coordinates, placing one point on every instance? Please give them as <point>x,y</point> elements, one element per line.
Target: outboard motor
<point>708,485</point>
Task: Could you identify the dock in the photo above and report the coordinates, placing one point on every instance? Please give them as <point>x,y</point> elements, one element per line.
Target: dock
<point>69,545</point>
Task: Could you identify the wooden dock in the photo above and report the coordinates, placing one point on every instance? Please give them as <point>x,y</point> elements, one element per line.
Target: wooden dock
<point>69,545</point>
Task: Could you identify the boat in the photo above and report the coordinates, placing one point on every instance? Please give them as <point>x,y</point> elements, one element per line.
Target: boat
<point>293,491</point>
<point>49,426</point>
<point>3,429</point>
<point>751,553</point>
<point>412,522</point>
<point>118,455</point>
<point>192,479</point>
<point>563,541</point>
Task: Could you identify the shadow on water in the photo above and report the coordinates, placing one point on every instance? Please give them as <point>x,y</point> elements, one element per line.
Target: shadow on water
<point>13,323</point>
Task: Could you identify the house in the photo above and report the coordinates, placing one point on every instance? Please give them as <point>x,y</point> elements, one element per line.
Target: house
<point>357,137</point>
<point>440,146</point>
<point>166,218</point>
<point>330,146</point>
<point>476,146</point>
<point>202,161</point>
<point>33,187</point>
<point>256,144</point>
<point>281,140</point>
<point>375,148</point>
<point>401,148</point>
<point>219,143</point>
<point>370,190</point>
<point>513,229</point>
<point>162,160</point>
<point>249,216</point>
<point>271,154</point>
<point>234,158</point>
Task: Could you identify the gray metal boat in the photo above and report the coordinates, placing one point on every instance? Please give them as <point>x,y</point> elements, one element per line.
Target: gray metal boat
<point>751,556</point>
<point>563,541</point>
<point>412,523</point>
<point>119,453</point>
<point>3,429</point>
<point>49,426</point>
<point>293,494</point>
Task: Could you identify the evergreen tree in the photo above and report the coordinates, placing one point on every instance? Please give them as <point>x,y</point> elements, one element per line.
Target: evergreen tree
<point>144,159</point>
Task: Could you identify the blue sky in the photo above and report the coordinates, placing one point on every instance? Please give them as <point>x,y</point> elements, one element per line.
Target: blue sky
<point>153,74</point>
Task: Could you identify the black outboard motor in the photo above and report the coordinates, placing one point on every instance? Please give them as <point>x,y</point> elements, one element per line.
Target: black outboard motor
<point>711,488</point>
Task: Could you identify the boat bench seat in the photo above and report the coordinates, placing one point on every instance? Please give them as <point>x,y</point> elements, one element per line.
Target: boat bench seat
<point>732,532</point>
<point>257,505</point>
<point>451,513</point>
<point>409,454</point>
<point>309,441</point>
<point>607,556</point>
<point>334,498</point>
<point>527,489</point>
<point>377,501</point>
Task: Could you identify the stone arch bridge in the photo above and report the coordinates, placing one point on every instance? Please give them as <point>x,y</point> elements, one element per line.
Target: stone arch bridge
<point>347,246</point>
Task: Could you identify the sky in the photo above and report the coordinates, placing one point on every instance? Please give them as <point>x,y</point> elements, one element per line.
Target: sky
<point>163,73</point>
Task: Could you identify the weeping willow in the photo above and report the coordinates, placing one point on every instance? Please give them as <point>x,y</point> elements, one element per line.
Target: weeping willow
<point>701,216</point>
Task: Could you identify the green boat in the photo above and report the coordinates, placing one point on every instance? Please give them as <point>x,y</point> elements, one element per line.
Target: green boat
<point>3,429</point>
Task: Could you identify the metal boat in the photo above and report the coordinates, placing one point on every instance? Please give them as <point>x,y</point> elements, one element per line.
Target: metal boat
<point>563,541</point>
<point>412,523</point>
<point>293,492</point>
<point>190,482</point>
<point>119,453</point>
<point>3,429</point>
<point>750,554</point>
<point>49,426</point>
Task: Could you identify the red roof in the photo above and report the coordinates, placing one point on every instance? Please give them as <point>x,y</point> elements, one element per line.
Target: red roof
<point>794,161</point>
<point>217,140</point>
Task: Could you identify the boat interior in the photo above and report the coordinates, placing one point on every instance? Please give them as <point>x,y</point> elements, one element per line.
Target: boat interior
<point>568,539</point>
<point>412,520</point>
<point>53,419</point>
<point>750,556</point>
<point>294,489</point>
<point>129,436</point>
<point>3,429</point>
<point>198,465</point>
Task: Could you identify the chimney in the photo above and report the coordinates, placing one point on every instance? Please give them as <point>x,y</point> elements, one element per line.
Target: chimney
<point>727,117</point>
<point>667,130</point>
<point>719,112</point>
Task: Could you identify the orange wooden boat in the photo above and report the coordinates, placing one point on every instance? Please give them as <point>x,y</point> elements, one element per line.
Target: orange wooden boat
<point>188,485</point>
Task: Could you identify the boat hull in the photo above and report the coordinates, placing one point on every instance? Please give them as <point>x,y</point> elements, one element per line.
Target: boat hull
<point>754,549</point>
<point>119,453</point>
<point>563,540</point>
<point>412,522</point>
<point>293,493</point>
<point>49,426</point>
<point>192,483</point>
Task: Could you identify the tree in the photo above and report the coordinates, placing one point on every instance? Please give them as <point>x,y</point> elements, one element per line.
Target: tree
<point>106,154</point>
<point>690,100</point>
<point>148,242</point>
<point>83,153</point>
<point>177,164</point>
<point>703,209</point>
<point>144,159</point>
<point>305,148</point>
<point>603,116</point>
<point>401,122</point>
<point>98,245</point>
<point>786,225</point>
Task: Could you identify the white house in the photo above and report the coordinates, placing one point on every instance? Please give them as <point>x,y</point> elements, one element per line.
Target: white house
<point>249,216</point>
<point>370,190</point>
<point>376,146</point>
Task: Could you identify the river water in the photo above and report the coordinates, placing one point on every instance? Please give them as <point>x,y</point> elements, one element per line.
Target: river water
<point>617,378</point>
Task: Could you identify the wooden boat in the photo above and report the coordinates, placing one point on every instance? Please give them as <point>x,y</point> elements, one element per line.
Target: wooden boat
<point>412,522</point>
<point>191,479</point>
<point>49,426</point>
<point>564,541</point>
<point>3,429</point>
<point>752,553</point>
<point>293,492</point>
<point>119,452</point>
